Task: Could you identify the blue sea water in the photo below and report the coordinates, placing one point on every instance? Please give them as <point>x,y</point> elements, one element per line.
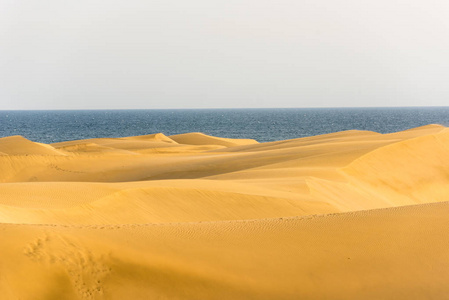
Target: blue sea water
<point>261,124</point>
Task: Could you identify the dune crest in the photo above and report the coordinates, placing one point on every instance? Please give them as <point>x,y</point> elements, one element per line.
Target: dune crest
<point>198,138</point>
<point>346,215</point>
<point>18,145</point>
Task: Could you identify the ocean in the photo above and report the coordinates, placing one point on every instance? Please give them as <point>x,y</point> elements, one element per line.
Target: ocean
<point>261,124</point>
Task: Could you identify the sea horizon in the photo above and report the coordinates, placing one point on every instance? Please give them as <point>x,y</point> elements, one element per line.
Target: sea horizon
<point>232,108</point>
<point>261,124</point>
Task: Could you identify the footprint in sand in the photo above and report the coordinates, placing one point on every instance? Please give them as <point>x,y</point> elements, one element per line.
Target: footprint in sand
<point>85,269</point>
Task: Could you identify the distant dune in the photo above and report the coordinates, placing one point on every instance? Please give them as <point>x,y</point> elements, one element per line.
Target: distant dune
<point>347,215</point>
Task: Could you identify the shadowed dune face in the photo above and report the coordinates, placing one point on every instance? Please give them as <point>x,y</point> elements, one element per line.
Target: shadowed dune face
<point>193,216</point>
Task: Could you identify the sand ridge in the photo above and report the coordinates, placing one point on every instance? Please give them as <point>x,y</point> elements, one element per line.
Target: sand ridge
<point>192,216</point>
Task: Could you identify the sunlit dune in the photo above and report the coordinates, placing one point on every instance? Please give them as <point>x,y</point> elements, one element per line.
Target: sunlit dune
<point>18,145</point>
<point>198,138</point>
<point>347,215</point>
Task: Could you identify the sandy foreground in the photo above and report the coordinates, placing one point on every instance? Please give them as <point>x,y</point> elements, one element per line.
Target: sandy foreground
<point>347,215</point>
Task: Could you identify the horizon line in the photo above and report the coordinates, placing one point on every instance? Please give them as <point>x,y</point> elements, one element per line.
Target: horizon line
<point>226,108</point>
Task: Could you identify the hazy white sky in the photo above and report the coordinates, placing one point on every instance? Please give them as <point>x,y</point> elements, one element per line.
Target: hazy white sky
<point>98,54</point>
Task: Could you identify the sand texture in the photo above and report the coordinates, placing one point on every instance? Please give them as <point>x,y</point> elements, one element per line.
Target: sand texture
<point>347,215</point>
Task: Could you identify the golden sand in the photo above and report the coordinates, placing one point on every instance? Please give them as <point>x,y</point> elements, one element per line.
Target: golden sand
<point>348,215</point>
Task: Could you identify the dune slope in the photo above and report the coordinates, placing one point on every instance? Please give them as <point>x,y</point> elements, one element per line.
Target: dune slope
<point>347,215</point>
<point>394,253</point>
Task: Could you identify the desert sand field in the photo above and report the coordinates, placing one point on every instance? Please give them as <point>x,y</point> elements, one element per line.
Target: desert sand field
<point>347,215</point>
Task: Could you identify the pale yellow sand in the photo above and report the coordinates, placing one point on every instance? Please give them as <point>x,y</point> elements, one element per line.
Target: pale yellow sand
<point>348,215</point>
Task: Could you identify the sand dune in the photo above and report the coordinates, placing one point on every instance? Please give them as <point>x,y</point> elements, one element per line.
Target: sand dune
<point>198,138</point>
<point>347,215</point>
<point>395,253</point>
<point>18,145</point>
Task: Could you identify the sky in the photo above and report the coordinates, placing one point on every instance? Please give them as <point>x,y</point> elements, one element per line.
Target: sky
<point>140,54</point>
